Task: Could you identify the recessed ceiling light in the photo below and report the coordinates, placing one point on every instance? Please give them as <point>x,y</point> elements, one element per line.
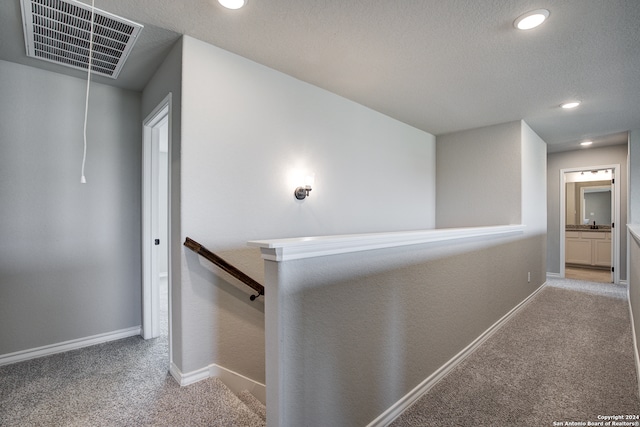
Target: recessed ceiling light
<point>233,4</point>
<point>569,105</point>
<point>586,143</point>
<point>531,19</point>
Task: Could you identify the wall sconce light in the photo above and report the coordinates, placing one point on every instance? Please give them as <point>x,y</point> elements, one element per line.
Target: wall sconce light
<point>303,191</point>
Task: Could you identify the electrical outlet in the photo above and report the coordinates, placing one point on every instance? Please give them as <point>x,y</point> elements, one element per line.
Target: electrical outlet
<point>529,277</point>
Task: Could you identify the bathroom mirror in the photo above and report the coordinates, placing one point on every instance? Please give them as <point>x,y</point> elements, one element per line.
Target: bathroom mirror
<point>587,202</point>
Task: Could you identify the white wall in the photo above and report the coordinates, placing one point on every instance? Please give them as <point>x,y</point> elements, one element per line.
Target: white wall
<point>168,79</point>
<point>634,219</point>
<point>69,253</point>
<point>163,201</point>
<point>534,181</point>
<point>479,177</point>
<point>496,175</point>
<point>534,199</point>
<point>246,128</point>
<point>634,177</point>
<point>634,284</point>
<point>357,332</point>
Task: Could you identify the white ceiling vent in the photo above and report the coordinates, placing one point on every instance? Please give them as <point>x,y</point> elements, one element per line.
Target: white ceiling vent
<point>59,30</point>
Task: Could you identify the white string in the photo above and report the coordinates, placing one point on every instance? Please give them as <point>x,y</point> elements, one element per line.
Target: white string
<point>83,180</point>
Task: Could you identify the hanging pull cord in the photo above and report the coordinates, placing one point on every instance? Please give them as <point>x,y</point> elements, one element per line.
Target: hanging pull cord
<point>83,180</point>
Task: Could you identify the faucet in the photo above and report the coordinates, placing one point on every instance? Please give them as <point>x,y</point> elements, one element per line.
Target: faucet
<point>594,226</point>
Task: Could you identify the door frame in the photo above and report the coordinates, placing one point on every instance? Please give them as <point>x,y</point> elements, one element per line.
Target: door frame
<point>615,218</point>
<point>150,278</point>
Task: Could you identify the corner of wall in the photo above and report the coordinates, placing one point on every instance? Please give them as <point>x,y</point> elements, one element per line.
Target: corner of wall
<point>491,153</point>
<point>168,79</point>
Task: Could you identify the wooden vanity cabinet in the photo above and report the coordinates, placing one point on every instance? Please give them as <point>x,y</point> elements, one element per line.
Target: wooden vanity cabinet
<point>588,248</point>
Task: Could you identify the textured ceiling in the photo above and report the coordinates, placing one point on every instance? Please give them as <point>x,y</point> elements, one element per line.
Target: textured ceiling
<point>440,66</point>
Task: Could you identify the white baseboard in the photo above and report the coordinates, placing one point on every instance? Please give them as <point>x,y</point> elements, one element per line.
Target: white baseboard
<point>238,382</point>
<point>47,350</point>
<point>175,373</point>
<point>635,340</point>
<point>189,377</point>
<point>410,398</point>
<point>235,381</point>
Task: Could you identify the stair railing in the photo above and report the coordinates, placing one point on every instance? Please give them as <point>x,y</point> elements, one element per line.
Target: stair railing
<point>224,265</point>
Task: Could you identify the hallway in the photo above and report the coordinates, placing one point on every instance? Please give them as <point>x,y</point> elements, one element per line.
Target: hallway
<point>567,356</point>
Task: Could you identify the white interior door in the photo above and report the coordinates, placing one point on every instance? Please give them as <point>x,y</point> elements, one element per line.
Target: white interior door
<point>155,235</point>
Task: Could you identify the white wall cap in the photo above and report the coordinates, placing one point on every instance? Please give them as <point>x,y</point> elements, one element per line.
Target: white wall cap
<point>634,229</point>
<point>311,247</point>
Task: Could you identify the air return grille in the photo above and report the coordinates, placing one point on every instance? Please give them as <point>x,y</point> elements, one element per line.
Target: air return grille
<point>58,31</point>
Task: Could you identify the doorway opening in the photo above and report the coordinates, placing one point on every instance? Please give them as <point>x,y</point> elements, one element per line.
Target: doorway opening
<point>589,223</point>
<point>156,235</point>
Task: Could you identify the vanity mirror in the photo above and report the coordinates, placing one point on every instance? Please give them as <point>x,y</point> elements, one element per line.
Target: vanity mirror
<point>588,199</point>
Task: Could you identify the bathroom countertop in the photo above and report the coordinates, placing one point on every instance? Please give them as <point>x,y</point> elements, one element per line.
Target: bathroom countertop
<point>587,228</point>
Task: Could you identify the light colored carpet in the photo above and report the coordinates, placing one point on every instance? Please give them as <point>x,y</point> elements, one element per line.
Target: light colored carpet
<point>122,383</point>
<point>595,288</point>
<point>566,356</point>
<point>254,404</point>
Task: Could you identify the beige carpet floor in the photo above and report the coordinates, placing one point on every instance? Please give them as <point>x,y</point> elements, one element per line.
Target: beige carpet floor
<point>567,356</point>
<point>121,383</point>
